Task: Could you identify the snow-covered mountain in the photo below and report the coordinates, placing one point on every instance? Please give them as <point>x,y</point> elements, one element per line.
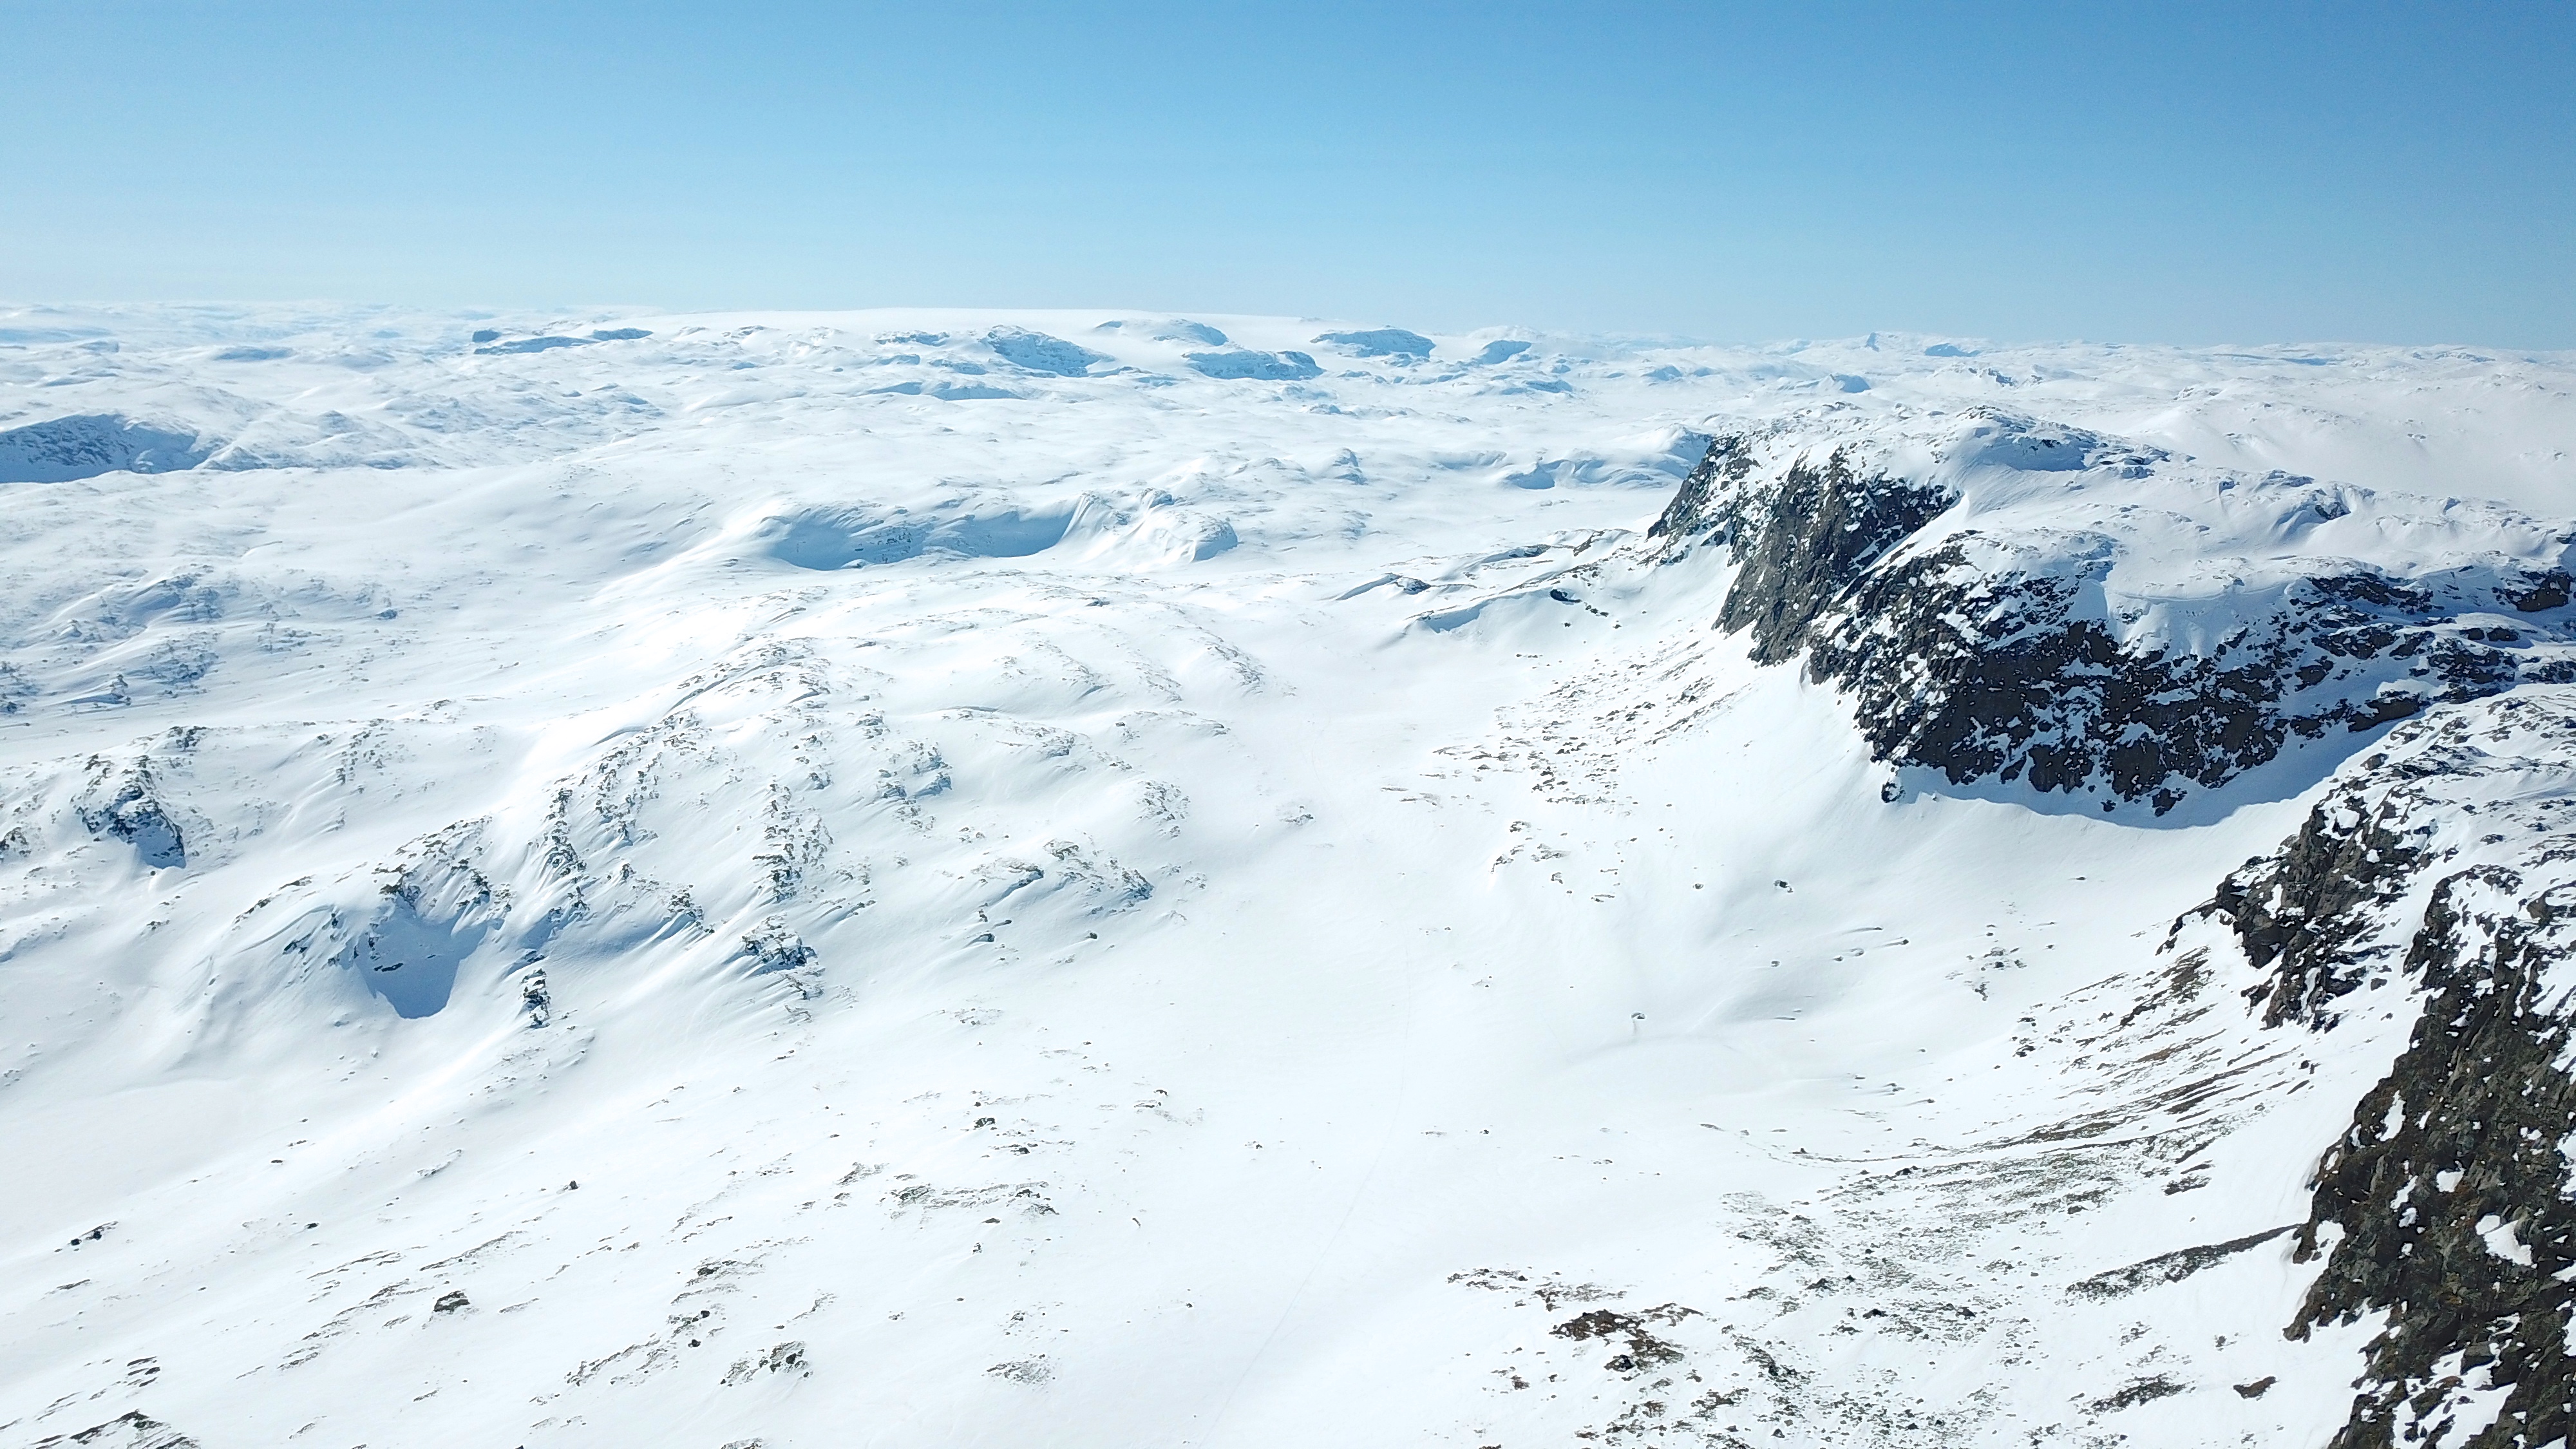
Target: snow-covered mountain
<point>1088,878</point>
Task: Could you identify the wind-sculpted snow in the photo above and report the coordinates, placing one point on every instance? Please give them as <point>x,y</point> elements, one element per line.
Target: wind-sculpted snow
<point>1379,342</point>
<point>1242,362</point>
<point>1038,352</point>
<point>63,448</point>
<point>1115,878</point>
<point>840,538</point>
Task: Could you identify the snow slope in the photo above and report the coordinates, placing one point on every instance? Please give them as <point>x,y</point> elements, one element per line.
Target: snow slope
<point>933,878</point>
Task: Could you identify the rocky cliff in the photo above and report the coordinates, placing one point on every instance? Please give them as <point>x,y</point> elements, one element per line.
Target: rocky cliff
<point>2015,601</point>
<point>2443,864</point>
<point>2015,605</point>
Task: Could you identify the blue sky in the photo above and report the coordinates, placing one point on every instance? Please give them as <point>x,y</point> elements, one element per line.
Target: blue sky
<point>2241,172</point>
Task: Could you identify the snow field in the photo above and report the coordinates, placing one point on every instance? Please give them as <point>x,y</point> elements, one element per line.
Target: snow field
<point>1046,892</point>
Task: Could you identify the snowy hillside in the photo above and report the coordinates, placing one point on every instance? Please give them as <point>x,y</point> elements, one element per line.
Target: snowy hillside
<point>922,879</point>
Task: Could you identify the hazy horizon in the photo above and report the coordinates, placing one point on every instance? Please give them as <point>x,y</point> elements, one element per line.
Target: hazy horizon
<point>2193,175</point>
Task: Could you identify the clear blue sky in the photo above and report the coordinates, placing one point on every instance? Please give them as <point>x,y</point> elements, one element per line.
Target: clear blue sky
<point>2238,172</point>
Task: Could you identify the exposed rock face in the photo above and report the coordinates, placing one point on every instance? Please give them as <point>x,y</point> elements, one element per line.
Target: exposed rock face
<point>2013,602</point>
<point>134,814</point>
<point>1997,603</point>
<point>1820,531</point>
<point>2451,1189</point>
<point>2446,1205</point>
<point>2307,913</point>
<point>132,1429</point>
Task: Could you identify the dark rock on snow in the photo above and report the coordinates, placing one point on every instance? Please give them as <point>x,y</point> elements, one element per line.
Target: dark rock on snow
<point>1989,652</point>
<point>2440,867</point>
<point>2445,862</point>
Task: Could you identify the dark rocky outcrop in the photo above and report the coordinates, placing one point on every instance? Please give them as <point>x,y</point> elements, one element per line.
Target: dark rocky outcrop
<point>1985,675</point>
<point>1995,650</point>
<point>133,812</point>
<point>2170,1267</point>
<point>2446,1204</point>
<point>2302,914</point>
<point>132,1429</point>
<point>1818,531</point>
<point>1707,506</point>
<point>2443,863</point>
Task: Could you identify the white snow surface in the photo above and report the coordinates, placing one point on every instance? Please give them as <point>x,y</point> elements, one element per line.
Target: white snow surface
<point>1049,892</point>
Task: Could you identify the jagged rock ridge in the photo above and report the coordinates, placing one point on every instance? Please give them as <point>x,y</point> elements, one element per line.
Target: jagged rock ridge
<point>2443,863</point>
<point>2005,600</point>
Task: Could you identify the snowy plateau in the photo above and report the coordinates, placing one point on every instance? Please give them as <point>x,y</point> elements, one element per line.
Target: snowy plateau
<point>1106,879</point>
